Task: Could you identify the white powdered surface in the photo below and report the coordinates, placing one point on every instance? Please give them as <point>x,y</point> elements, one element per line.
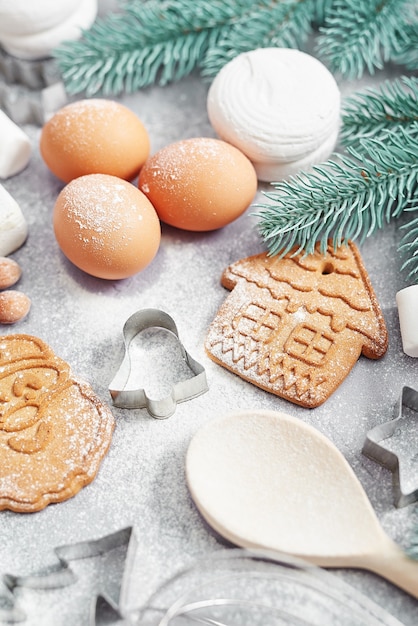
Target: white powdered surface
<point>141,481</point>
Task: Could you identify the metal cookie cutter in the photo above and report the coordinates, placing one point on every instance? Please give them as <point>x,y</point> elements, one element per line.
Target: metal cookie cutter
<point>138,399</point>
<point>108,605</point>
<point>375,449</point>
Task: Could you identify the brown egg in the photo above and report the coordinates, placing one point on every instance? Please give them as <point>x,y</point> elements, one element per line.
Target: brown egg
<point>199,184</point>
<point>106,226</point>
<point>94,136</point>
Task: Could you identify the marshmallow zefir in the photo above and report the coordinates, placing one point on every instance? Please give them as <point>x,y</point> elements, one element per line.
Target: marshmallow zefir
<point>13,225</point>
<point>20,17</point>
<point>279,106</point>
<point>407,302</point>
<point>30,30</point>
<point>15,147</point>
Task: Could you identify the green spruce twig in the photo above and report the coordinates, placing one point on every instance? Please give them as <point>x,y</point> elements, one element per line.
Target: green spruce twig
<point>408,49</point>
<point>156,41</point>
<point>367,114</point>
<point>281,24</point>
<point>361,35</point>
<point>346,198</point>
<point>409,248</point>
<point>160,41</point>
<point>322,7</point>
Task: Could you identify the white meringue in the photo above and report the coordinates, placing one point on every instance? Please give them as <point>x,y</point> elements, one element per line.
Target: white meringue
<point>23,17</point>
<point>39,44</point>
<point>279,106</point>
<point>276,171</point>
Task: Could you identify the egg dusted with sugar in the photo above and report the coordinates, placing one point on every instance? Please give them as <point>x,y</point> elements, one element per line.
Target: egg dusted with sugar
<point>199,184</point>
<point>105,226</point>
<point>96,136</point>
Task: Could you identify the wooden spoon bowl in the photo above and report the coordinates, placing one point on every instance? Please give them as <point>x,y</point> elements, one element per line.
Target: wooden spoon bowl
<point>263,479</point>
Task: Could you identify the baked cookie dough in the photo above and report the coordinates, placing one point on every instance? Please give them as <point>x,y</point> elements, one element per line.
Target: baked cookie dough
<point>295,326</point>
<point>279,106</point>
<point>54,430</point>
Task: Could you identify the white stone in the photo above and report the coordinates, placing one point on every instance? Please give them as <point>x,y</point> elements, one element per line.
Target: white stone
<point>13,225</point>
<point>38,45</point>
<point>407,301</point>
<point>15,147</point>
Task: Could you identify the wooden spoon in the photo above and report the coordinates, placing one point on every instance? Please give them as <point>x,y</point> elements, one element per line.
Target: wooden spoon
<point>263,479</point>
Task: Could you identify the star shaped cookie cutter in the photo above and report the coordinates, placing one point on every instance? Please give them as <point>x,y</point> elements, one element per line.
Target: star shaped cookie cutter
<point>180,392</point>
<point>375,449</point>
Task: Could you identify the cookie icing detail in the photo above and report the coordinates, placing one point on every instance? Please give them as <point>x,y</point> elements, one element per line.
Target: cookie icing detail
<point>296,325</point>
<point>54,430</point>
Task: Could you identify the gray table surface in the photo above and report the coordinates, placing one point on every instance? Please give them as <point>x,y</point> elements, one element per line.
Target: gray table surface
<point>141,481</point>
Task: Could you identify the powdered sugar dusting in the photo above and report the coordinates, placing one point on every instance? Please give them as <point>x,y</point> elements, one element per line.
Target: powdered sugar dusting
<point>141,480</point>
<point>54,432</point>
<point>93,205</point>
<point>185,160</point>
<point>106,226</point>
<point>199,184</point>
<point>292,331</point>
<point>83,116</point>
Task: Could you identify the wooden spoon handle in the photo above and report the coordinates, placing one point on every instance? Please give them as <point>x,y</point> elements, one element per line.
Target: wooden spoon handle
<point>395,565</point>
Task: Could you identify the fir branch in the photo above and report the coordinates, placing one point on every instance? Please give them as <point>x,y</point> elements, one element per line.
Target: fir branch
<point>282,24</point>
<point>409,248</point>
<point>346,199</point>
<point>408,51</point>
<point>148,42</point>
<point>361,35</point>
<point>394,105</point>
<point>160,41</point>
<point>322,7</point>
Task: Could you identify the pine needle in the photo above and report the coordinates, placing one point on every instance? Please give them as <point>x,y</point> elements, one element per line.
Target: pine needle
<point>348,198</point>
<point>408,49</point>
<point>161,41</point>
<point>394,105</point>
<point>361,35</point>
<point>409,248</point>
<point>156,41</point>
<point>322,7</point>
<point>281,24</point>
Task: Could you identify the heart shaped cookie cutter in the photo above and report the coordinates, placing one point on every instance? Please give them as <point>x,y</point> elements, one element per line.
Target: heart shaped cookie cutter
<point>180,391</point>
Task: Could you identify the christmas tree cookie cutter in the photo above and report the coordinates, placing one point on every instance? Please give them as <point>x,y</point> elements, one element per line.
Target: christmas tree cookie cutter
<point>374,446</point>
<point>181,391</point>
<point>108,606</point>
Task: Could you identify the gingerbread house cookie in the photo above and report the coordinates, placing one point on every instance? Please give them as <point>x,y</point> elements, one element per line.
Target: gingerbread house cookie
<point>295,326</point>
